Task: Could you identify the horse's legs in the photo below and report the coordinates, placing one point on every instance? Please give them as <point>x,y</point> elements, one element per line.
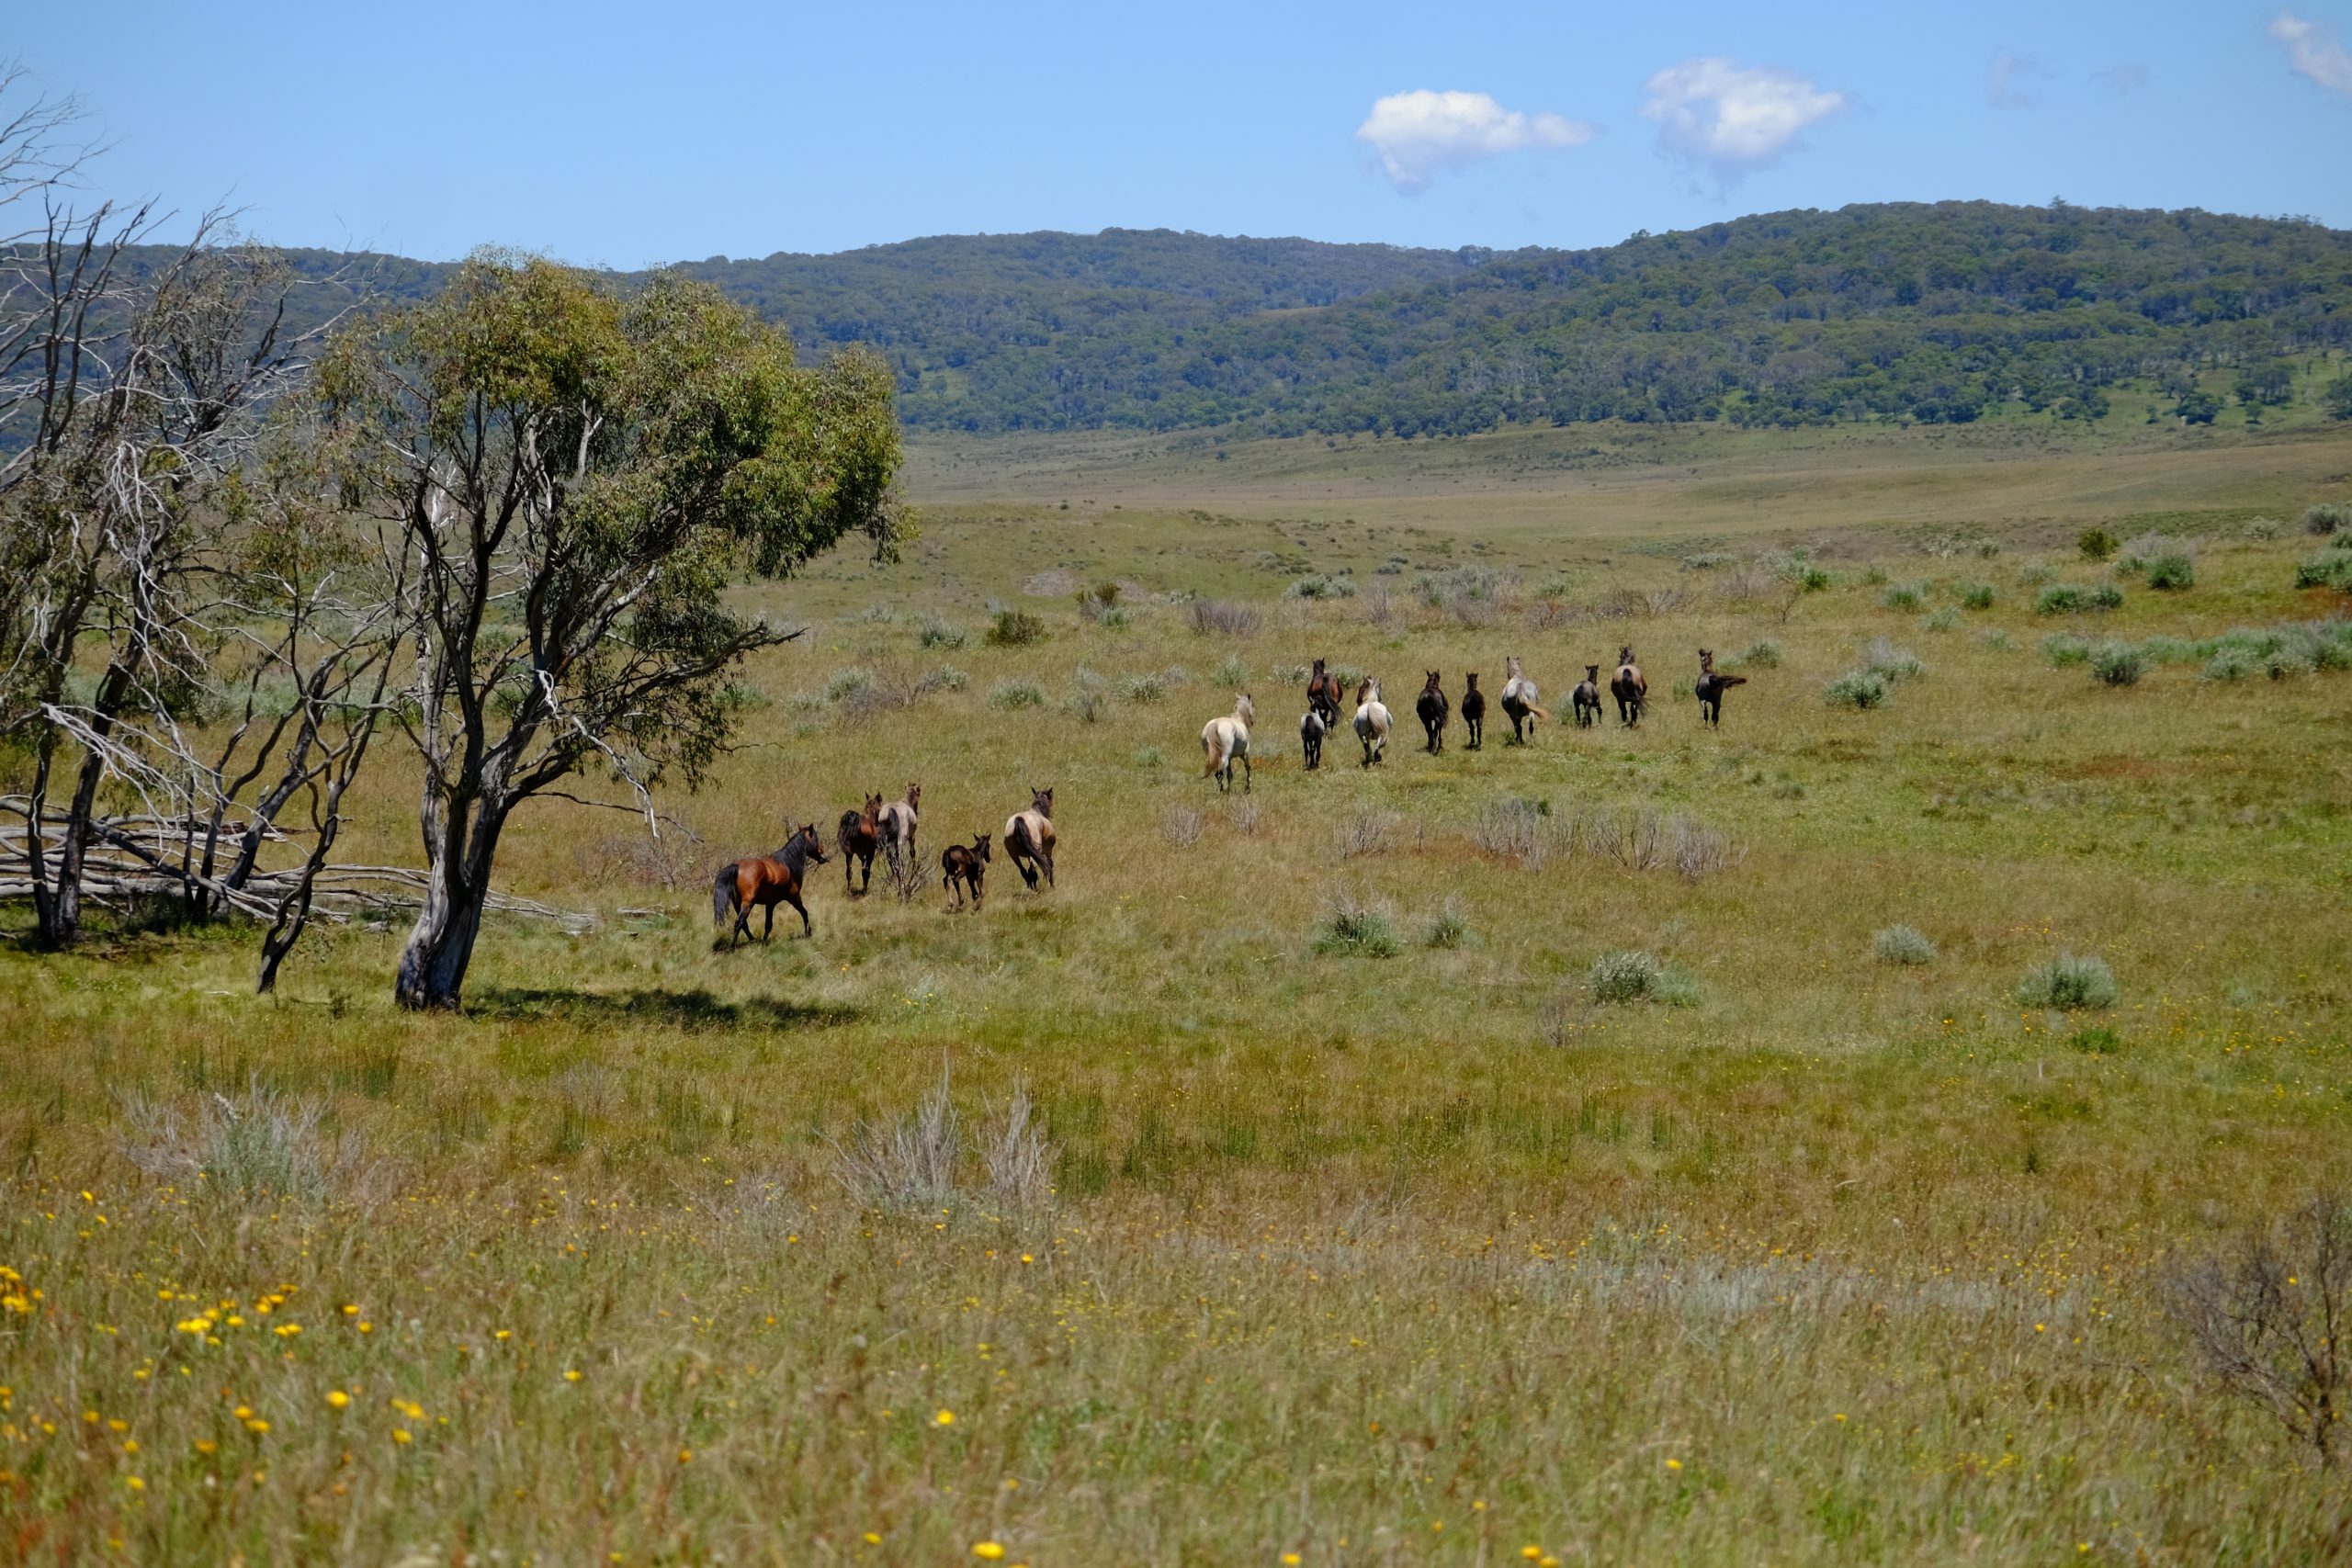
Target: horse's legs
<point>1249,774</point>
<point>807,928</point>
<point>768,934</point>
<point>1049,868</point>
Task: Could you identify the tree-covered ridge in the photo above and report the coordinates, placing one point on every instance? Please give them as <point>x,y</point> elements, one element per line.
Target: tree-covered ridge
<point>1932,313</point>
<point>1937,313</point>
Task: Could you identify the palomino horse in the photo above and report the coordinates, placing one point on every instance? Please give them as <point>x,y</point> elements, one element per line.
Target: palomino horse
<point>898,824</point>
<point>1632,692</point>
<point>1432,710</point>
<point>765,881</point>
<point>1519,701</point>
<point>1474,712</point>
<point>1227,741</point>
<point>1587,698</point>
<point>1029,838</point>
<point>1372,721</point>
<point>1711,687</point>
<point>859,837</point>
<point>1323,694</point>
<point>1312,728</point>
<point>966,864</point>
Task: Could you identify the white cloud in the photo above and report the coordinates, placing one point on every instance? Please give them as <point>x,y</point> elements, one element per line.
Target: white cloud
<point>2006,79</point>
<point>1420,135</point>
<point>2312,52</point>
<point>1732,118</point>
<point>2122,81</point>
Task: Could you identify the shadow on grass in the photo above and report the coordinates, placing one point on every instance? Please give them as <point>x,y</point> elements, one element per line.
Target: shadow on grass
<point>686,1009</point>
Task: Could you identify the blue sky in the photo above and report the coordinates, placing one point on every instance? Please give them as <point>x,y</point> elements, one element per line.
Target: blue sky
<point>629,135</point>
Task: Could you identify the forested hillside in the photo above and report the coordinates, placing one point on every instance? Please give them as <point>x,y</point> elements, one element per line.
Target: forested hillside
<point>1932,313</point>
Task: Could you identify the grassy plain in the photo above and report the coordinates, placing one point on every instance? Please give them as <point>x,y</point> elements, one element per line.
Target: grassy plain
<point>1423,1257</point>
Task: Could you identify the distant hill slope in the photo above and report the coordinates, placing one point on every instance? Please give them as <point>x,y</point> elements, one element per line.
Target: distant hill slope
<point>1933,312</point>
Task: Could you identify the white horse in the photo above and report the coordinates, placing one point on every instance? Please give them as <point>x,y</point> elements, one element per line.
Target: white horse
<point>1372,721</point>
<point>898,823</point>
<point>1226,741</point>
<point>1519,700</point>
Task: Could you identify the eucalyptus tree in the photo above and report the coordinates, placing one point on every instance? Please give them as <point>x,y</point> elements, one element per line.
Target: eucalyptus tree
<point>576,472</point>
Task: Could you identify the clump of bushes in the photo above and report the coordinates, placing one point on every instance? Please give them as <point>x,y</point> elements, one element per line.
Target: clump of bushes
<point>2332,569</point>
<point>1352,927</point>
<point>2096,1040</point>
<point>1446,929</point>
<point>1884,658</point>
<point>2328,517</point>
<point>2067,599</point>
<point>2063,648</point>
<point>1705,561</point>
<point>1018,692</point>
<point>1144,688</point>
<point>2118,664</point>
<point>1902,945</point>
<point>1096,603</point>
<point>1904,596</point>
<point>1315,585</point>
<point>1943,620</point>
<point>848,685</point>
<point>2069,983</point>
<point>1858,689</point>
<point>1975,596</point>
<point>2171,571</point>
<point>1764,655</point>
<point>2096,544</point>
<point>1222,617</point>
<point>936,633</point>
<point>1617,978</point>
<point>1015,628</point>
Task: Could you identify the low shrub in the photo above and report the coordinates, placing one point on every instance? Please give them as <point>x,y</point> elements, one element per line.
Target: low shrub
<point>1904,596</point>
<point>1015,628</point>
<point>1353,929</point>
<point>1618,978</point>
<point>2095,544</point>
<point>2096,1040</point>
<point>1446,929</point>
<point>2118,664</point>
<point>2069,983</point>
<point>1222,617</point>
<point>936,633</point>
<point>2170,572</point>
<point>1315,585</point>
<point>1764,655</point>
<point>1143,688</point>
<point>848,685</point>
<point>1019,693</point>
<point>2328,517</point>
<point>1901,944</point>
<point>1884,658</point>
<point>1975,596</point>
<point>2333,569</point>
<point>1858,689</point>
<point>2063,648</point>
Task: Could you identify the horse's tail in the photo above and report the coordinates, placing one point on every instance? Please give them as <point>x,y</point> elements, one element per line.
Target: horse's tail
<point>1731,681</point>
<point>849,821</point>
<point>722,894</point>
<point>1539,712</point>
<point>1212,741</point>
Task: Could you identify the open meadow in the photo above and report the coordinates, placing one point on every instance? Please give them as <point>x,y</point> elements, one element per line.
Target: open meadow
<point>1554,1151</point>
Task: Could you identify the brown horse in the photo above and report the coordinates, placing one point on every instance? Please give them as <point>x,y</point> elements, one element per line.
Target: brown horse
<point>1029,838</point>
<point>967,866</point>
<point>765,881</point>
<point>1631,691</point>
<point>859,837</point>
<point>1586,698</point>
<point>1474,712</point>
<point>1432,710</point>
<point>1711,687</point>
<point>1323,694</point>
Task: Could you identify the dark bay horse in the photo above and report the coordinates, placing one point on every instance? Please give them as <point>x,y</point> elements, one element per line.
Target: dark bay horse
<point>763,882</point>
<point>1432,710</point>
<point>1474,712</point>
<point>1587,698</point>
<point>860,839</point>
<point>966,865</point>
<point>1323,694</point>
<point>1711,687</point>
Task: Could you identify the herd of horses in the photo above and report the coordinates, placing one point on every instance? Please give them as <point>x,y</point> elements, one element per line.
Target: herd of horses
<point>1227,739</point>
<point>883,827</point>
<point>889,828</point>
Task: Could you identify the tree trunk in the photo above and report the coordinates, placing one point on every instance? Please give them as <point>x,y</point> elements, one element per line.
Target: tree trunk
<point>433,965</point>
<point>61,912</point>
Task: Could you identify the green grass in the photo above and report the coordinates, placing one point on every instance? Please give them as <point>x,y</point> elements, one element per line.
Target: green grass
<point>1437,1255</point>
